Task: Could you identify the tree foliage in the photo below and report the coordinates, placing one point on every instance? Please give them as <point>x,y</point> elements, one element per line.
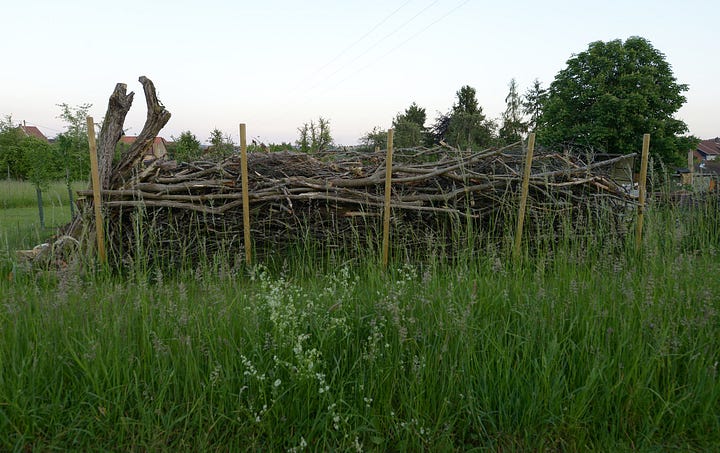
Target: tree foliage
<point>610,95</point>
<point>220,145</point>
<point>185,148</point>
<point>376,138</point>
<point>465,126</point>
<point>532,104</point>
<point>409,127</point>
<point>11,159</point>
<point>73,142</point>
<point>513,127</point>
<point>315,136</point>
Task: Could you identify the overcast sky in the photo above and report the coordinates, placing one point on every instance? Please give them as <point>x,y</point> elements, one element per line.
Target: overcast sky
<point>275,64</point>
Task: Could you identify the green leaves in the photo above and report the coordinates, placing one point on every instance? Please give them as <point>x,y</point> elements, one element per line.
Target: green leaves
<point>186,147</point>
<point>610,95</point>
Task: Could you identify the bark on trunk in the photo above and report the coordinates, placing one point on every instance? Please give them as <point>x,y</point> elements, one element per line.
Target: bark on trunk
<point>157,118</point>
<point>112,129</point>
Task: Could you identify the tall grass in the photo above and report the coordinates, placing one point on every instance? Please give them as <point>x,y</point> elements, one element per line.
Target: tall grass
<point>21,194</point>
<point>583,345</point>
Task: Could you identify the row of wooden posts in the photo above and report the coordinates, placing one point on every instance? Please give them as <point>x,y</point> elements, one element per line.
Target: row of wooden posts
<point>97,201</point>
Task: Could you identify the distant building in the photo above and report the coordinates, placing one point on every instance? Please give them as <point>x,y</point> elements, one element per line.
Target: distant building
<point>157,150</point>
<point>32,131</point>
<point>708,150</point>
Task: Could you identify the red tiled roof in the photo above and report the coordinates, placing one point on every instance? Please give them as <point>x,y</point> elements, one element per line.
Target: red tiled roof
<point>32,131</point>
<point>710,147</point>
<point>131,139</point>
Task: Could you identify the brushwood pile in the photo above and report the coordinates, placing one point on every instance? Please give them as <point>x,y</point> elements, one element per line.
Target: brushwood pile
<point>179,211</point>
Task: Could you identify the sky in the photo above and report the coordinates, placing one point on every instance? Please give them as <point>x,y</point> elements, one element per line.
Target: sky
<point>277,64</point>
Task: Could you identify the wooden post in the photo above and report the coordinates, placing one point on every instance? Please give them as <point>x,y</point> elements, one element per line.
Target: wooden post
<point>642,183</point>
<point>245,190</point>
<point>95,174</point>
<point>524,195</point>
<point>386,217</point>
<point>691,167</point>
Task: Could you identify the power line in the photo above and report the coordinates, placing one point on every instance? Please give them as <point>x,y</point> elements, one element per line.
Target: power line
<point>344,51</point>
<point>373,46</point>
<point>401,44</point>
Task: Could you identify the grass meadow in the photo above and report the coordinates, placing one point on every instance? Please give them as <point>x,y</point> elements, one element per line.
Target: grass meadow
<point>585,344</point>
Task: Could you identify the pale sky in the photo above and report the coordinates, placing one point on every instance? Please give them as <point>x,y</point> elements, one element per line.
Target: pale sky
<point>276,64</point>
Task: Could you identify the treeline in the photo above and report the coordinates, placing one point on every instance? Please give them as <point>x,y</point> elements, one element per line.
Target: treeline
<point>606,98</point>
<point>604,101</point>
<point>30,158</point>
<point>465,125</point>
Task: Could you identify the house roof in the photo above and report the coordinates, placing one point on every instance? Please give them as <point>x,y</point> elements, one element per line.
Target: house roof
<point>710,147</point>
<point>130,139</point>
<point>32,131</point>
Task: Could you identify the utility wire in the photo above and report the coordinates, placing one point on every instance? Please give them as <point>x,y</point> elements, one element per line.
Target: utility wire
<point>344,51</point>
<point>373,46</point>
<point>400,45</point>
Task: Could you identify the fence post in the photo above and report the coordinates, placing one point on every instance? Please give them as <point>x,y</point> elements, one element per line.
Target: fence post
<point>245,195</point>
<point>386,217</point>
<point>95,177</point>
<point>642,184</point>
<point>524,195</point>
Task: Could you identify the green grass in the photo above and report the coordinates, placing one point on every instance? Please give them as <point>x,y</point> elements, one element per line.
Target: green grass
<point>585,345</point>
<point>20,194</point>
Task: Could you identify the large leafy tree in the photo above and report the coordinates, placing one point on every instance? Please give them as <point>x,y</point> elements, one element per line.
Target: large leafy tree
<point>610,95</point>
<point>410,127</point>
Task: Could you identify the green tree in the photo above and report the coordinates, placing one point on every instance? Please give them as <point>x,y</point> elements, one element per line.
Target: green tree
<point>533,102</point>
<point>186,147</point>
<point>376,138</point>
<point>221,145</point>
<point>11,159</point>
<point>513,127</point>
<point>410,127</point>
<point>467,126</point>
<point>73,146</point>
<point>40,166</point>
<point>315,137</point>
<point>610,95</point>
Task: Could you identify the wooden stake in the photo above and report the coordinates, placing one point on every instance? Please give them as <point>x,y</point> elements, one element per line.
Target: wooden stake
<point>388,180</point>
<point>245,191</point>
<point>524,195</point>
<point>642,184</point>
<point>95,176</point>
<point>691,166</point>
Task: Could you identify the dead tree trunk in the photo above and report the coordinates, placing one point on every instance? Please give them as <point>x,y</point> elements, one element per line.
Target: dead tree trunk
<point>112,130</point>
<point>114,177</point>
<point>157,118</point>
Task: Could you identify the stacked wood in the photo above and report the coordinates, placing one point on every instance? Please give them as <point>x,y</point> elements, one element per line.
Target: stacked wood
<point>183,210</point>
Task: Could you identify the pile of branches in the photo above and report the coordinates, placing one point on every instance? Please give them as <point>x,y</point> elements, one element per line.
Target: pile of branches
<point>183,210</point>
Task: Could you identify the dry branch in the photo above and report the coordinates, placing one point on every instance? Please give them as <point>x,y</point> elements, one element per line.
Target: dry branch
<point>197,208</point>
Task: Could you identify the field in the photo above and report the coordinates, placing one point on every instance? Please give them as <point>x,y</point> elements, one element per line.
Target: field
<point>583,345</point>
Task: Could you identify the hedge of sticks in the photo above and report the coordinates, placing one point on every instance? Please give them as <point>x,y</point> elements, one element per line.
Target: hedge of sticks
<point>185,210</point>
